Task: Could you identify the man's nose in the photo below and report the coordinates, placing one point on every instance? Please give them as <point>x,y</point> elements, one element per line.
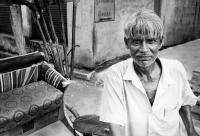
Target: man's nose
<point>144,46</point>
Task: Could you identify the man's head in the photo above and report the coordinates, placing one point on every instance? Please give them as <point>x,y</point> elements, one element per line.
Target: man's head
<point>143,37</point>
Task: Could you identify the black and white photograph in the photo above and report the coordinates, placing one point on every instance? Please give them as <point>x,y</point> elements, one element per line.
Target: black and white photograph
<point>99,67</point>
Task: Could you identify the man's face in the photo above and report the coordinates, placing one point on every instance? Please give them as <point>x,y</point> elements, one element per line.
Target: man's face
<point>143,49</point>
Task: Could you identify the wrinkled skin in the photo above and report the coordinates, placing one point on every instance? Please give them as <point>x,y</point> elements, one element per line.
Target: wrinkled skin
<point>143,49</point>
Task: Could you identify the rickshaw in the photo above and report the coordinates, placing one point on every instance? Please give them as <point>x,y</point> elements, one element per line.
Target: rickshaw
<point>70,120</point>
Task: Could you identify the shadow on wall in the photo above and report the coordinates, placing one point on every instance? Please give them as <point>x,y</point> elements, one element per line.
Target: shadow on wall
<point>9,48</point>
<point>7,45</point>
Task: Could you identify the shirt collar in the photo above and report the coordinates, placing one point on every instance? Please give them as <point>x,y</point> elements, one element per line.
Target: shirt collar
<point>130,73</point>
<point>166,76</point>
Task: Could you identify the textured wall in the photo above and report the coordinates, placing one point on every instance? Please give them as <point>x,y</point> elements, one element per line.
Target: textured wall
<point>84,32</point>
<point>104,40</point>
<point>181,19</point>
<point>109,37</point>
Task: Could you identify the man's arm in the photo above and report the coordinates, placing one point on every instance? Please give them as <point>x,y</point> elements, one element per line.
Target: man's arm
<point>185,113</point>
<point>113,108</point>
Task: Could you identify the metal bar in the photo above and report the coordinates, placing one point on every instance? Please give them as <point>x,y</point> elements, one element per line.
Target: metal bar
<point>73,38</point>
<point>64,36</point>
<point>54,36</point>
<point>44,40</point>
<point>43,21</point>
<point>47,50</point>
<point>54,53</point>
<point>55,41</point>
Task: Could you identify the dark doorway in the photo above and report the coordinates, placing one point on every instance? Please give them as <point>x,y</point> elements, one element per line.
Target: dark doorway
<point>157,6</point>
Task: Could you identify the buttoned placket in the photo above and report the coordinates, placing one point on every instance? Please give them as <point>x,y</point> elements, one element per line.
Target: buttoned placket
<point>161,90</point>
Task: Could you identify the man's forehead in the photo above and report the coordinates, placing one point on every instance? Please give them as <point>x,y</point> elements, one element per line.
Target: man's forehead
<point>142,36</point>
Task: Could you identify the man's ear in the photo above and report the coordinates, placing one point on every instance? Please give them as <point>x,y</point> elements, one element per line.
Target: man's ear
<point>160,46</point>
<point>161,42</point>
<point>126,42</point>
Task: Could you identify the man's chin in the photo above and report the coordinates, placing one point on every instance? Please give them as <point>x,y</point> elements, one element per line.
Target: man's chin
<point>144,64</point>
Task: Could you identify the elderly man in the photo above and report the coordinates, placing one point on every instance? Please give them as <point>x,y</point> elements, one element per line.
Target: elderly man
<point>146,95</point>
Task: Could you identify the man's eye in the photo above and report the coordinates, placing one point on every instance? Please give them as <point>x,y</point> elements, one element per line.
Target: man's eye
<point>137,41</point>
<point>150,41</point>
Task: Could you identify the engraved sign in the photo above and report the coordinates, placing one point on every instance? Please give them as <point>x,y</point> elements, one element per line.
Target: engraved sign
<point>104,10</point>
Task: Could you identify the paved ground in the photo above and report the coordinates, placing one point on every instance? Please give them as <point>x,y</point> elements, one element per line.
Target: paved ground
<point>188,54</point>
<point>85,96</point>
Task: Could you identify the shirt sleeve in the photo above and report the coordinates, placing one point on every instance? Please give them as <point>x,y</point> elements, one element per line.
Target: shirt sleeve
<point>112,103</point>
<point>188,97</point>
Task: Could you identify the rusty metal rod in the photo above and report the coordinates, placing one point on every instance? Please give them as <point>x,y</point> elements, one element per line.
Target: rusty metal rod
<point>43,20</point>
<point>47,50</point>
<point>53,49</point>
<point>54,36</point>
<point>73,38</point>
<point>56,40</point>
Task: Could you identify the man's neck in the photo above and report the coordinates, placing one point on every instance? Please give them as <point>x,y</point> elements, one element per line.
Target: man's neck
<point>148,73</point>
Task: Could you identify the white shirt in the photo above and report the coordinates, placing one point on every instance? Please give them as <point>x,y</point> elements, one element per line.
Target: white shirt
<point>125,102</point>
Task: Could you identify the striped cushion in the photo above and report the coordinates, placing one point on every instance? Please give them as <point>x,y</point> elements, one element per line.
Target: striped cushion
<point>18,78</point>
<point>51,76</point>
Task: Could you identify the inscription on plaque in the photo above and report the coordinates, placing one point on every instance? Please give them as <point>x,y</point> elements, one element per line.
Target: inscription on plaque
<point>104,10</point>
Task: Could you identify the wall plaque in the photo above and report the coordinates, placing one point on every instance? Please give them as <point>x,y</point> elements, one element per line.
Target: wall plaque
<point>104,10</point>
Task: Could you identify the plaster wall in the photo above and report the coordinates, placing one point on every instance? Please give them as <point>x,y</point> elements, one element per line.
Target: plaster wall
<point>109,36</point>
<point>181,20</point>
<point>84,32</point>
<point>101,41</point>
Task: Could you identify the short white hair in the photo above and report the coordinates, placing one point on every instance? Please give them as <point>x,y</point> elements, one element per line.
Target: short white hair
<point>144,22</point>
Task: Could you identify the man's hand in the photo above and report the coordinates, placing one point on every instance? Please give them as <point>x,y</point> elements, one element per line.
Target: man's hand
<point>185,113</point>
<point>193,134</point>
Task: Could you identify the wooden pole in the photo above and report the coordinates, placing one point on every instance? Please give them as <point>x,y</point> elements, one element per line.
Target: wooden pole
<point>17,27</point>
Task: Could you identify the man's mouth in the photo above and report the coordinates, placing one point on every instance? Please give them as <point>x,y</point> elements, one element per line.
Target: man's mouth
<point>143,58</point>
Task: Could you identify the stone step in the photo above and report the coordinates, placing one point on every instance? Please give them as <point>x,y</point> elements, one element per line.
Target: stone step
<point>55,129</point>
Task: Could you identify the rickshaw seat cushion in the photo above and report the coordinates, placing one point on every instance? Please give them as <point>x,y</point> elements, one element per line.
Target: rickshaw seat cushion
<point>23,104</point>
<point>29,88</point>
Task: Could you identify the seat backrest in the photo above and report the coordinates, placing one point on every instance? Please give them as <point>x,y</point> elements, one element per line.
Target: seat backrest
<point>21,61</point>
<point>19,70</point>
